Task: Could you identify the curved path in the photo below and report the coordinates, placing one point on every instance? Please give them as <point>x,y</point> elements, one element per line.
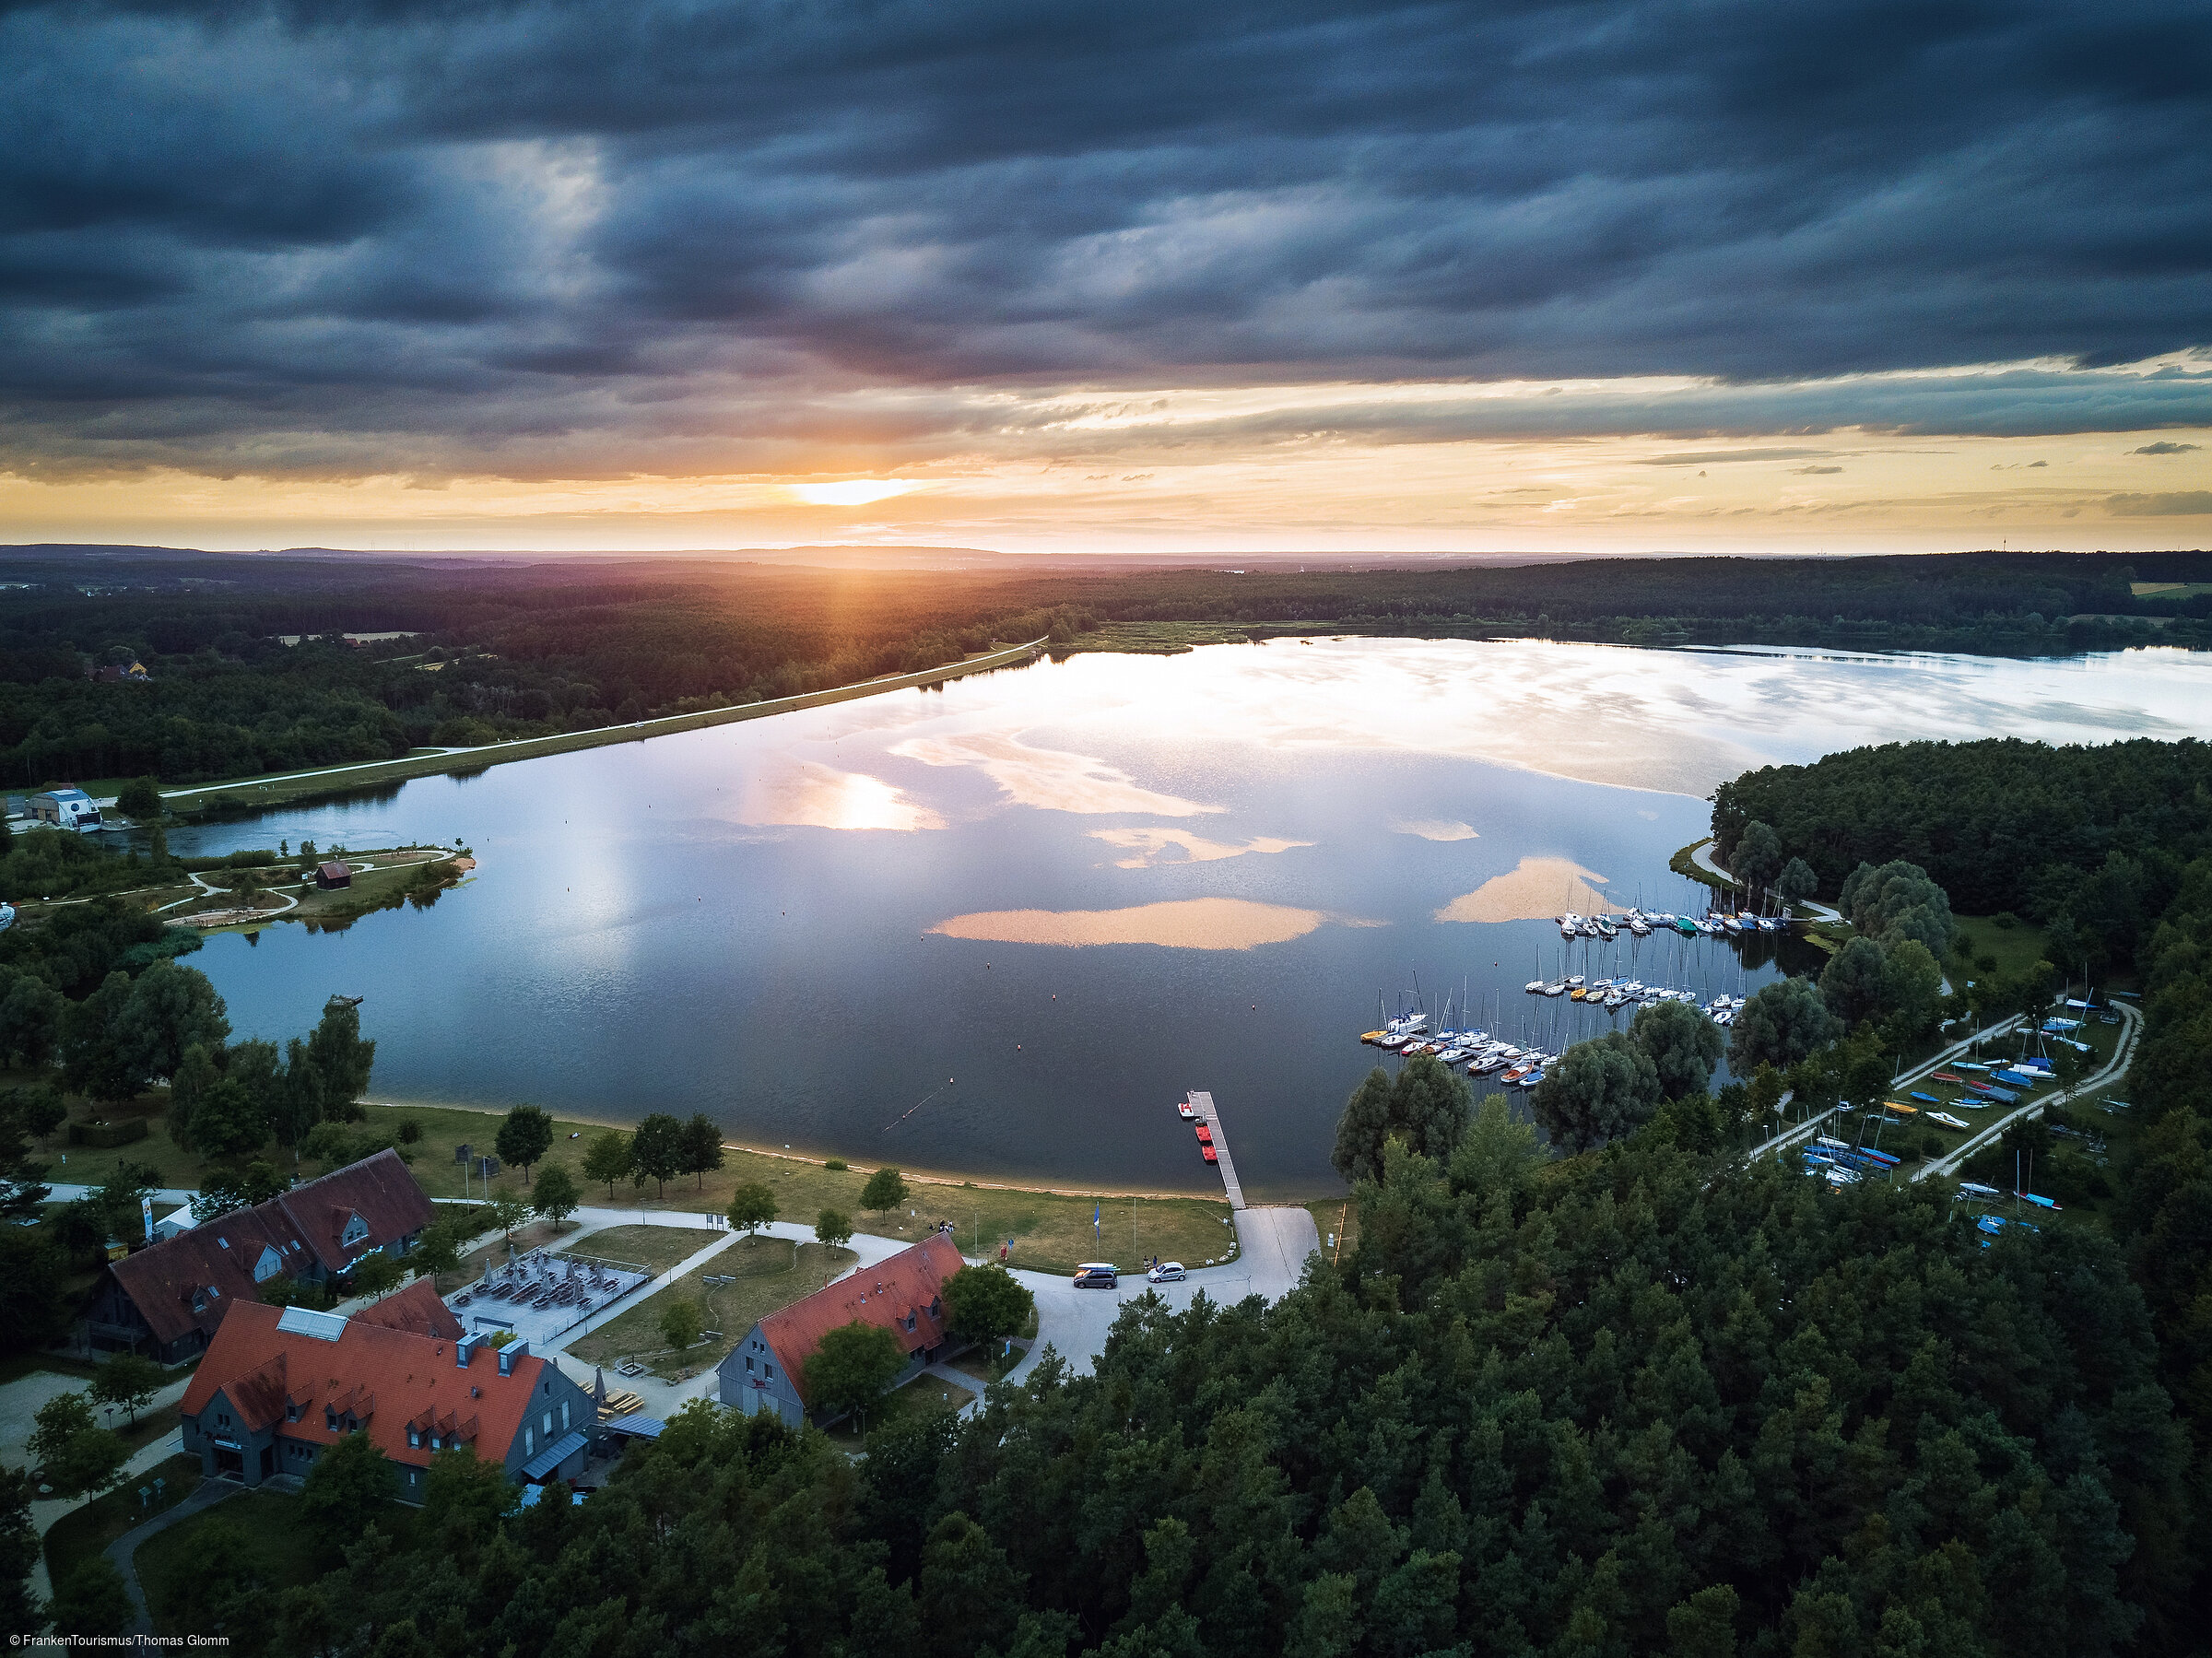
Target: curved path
<point>2111,1071</point>
<point>1702,856</point>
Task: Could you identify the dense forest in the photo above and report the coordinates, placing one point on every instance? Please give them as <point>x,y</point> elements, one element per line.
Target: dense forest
<point>499,650</point>
<point>1629,1402</point>
<point>2088,841</point>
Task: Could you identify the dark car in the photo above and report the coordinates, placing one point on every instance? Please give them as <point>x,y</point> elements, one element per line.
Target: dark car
<point>1096,1274</point>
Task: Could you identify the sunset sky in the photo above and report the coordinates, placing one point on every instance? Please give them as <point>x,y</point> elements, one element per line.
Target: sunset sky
<point>647,275</point>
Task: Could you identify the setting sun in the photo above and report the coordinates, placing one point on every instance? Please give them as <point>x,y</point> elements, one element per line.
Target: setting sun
<point>851,493</point>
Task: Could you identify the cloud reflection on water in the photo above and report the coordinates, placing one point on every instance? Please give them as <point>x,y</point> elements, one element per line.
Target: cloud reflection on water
<point>1534,889</point>
<point>1149,843</point>
<point>1200,923</point>
<point>1049,779</point>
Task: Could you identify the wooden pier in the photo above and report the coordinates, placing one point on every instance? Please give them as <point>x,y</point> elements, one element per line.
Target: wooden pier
<point>1203,1104</point>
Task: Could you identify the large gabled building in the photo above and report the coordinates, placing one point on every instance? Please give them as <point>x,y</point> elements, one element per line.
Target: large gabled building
<point>903,1293</point>
<point>280,1386</point>
<point>169,1299</point>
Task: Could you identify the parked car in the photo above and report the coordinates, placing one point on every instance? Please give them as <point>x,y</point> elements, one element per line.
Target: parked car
<point>1167,1272</point>
<point>1096,1274</point>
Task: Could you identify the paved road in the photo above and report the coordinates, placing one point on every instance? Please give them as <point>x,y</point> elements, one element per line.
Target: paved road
<point>1702,856</point>
<point>1934,1061</point>
<point>1272,1247</point>
<point>2112,1071</point>
<point>124,1551</point>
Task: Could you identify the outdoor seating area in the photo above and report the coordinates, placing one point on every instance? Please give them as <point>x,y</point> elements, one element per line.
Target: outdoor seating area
<point>540,1295</point>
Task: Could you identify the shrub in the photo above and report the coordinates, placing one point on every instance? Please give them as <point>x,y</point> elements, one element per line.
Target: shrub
<point>108,1134</point>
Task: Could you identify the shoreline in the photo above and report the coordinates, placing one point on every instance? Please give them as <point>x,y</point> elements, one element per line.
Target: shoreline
<point>926,1177</point>
<point>241,795</point>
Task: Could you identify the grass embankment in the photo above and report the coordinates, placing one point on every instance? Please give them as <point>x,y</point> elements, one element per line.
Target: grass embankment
<point>766,1273</point>
<point>254,795</point>
<point>82,1533</point>
<point>382,880</point>
<point>1051,1230</point>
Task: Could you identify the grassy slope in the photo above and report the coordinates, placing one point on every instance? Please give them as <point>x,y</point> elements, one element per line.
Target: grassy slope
<point>88,1529</point>
<point>1052,1229</point>
<point>769,1274</point>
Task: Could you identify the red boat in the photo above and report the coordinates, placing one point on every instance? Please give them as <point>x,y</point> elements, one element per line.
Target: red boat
<point>1947,1077</point>
<point>1205,1134</point>
<point>1209,1153</point>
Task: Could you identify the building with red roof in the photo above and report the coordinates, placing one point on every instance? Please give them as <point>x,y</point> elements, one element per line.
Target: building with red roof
<point>903,1294</point>
<point>281,1385</point>
<point>170,1299</point>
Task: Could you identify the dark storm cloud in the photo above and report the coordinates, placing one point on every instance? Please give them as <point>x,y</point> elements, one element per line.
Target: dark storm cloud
<point>525,235</point>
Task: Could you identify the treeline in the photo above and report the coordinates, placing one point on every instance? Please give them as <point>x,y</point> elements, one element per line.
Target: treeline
<point>2090,842</point>
<point>2016,605</point>
<point>93,1000</point>
<point>504,651</point>
<point>499,653</point>
<point>1629,1402</point>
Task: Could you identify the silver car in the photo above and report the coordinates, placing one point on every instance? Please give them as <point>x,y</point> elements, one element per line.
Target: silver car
<point>1167,1272</point>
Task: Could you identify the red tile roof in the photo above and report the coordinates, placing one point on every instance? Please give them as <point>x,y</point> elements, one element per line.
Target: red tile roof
<point>379,1189</point>
<point>415,1308</point>
<point>195,1277</point>
<point>213,1263</point>
<point>900,1287</point>
<point>388,1378</point>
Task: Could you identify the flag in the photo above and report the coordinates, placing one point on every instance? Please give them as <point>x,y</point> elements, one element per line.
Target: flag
<point>1094,1223</point>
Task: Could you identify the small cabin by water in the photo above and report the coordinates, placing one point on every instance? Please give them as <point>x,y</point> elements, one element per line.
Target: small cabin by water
<point>332,875</point>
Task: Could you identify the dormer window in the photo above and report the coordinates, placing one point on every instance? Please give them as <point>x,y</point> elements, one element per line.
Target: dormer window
<point>414,1438</point>
<point>292,1412</point>
<point>330,1420</point>
<point>357,1231</point>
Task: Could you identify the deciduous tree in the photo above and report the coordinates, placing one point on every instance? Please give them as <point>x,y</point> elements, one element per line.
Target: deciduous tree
<point>834,1229</point>
<point>127,1380</point>
<point>987,1303</point>
<point>851,1368</point>
<point>1596,1092</point>
<point>606,1157</point>
<point>1779,1024</point>
<point>656,1149</point>
<point>526,1135</point>
<point>557,1194</point>
<point>886,1190</point>
<point>752,1206</point>
<point>1682,1044</point>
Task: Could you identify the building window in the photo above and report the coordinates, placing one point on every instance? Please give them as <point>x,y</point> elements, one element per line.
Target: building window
<point>548,1422</point>
<point>749,1365</point>
<point>564,1416</point>
<point>414,1440</point>
<point>529,1441</point>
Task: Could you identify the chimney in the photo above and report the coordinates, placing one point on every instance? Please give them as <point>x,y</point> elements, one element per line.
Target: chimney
<point>512,1351</point>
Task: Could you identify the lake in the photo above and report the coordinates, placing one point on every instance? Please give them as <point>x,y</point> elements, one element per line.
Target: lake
<point>1001,926</point>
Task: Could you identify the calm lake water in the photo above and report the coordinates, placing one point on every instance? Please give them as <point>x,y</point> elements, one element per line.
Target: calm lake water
<point>1002,926</point>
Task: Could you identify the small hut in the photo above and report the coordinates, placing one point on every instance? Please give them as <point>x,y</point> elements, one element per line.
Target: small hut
<point>333,874</point>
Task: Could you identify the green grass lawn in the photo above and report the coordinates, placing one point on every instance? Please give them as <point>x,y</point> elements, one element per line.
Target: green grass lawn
<point>87,1531</point>
<point>2017,948</point>
<point>767,1273</point>
<point>1051,1229</point>
<point>656,1249</point>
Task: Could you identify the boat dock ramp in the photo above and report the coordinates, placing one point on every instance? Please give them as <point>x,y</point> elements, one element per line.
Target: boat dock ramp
<point>1203,1103</point>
